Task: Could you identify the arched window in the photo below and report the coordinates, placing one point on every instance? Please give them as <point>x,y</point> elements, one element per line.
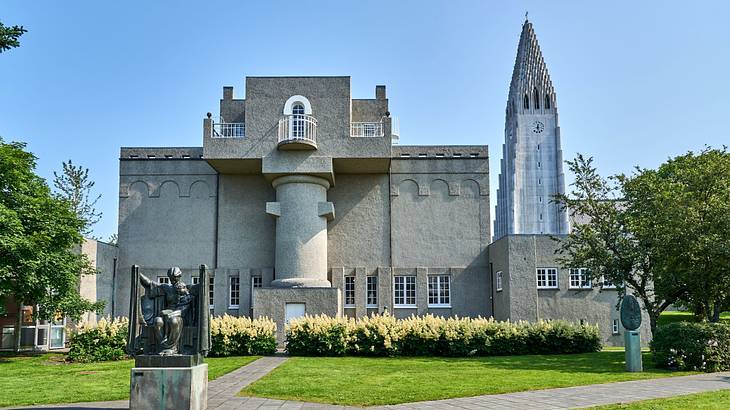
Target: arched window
<point>526,102</point>
<point>297,128</point>
<point>547,101</point>
<point>537,99</point>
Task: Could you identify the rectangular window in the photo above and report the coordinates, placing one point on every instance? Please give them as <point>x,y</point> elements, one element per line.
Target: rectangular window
<point>404,291</point>
<point>196,280</point>
<point>439,292</point>
<point>499,281</point>
<point>547,278</point>
<point>607,284</point>
<point>578,279</point>
<point>234,294</point>
<point>615,328</point>
<point>211,288</point>
<point>163,279</point>
<point>256,282</point>
<point>349,291</point>
<point>372,291</point>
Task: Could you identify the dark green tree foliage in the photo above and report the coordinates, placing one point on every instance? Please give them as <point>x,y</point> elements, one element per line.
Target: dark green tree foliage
<point>664,234</point>
<point>38,236</point>
<point>73,185</point>
<point>9,36</point>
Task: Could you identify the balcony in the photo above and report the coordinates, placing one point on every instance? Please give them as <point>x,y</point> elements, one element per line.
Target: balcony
<point>228,130</point>
<point>366,129</point>
<point>297,132</point>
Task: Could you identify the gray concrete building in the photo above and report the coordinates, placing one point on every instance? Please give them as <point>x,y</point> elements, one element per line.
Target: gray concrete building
<point>300,201</point>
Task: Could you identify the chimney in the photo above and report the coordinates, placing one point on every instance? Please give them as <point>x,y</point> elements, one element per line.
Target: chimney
<point>379,92</point>
<point>227,93</point>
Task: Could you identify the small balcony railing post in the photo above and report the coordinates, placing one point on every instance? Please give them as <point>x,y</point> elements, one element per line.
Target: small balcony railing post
<point>298,127</point>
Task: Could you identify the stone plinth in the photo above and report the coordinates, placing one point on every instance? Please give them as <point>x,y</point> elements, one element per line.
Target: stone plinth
<point>632,339</point>
<point>169,388</point>
<point>271,303</point>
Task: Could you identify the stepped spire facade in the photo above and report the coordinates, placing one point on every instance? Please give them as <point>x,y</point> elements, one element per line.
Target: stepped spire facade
<point>531,169</point>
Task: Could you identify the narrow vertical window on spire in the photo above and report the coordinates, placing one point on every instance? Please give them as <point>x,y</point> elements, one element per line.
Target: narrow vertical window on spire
<point>526,102</point>
<point>547,101</point>
<point>537,99</point>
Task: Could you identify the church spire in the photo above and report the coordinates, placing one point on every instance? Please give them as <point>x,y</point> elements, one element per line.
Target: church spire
<point>531,87</point>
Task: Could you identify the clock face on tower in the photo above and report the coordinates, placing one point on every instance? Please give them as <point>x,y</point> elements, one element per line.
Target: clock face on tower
<point>538,127</point>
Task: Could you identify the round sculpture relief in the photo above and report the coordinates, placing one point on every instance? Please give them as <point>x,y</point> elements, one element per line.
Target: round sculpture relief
<point>630,312</point>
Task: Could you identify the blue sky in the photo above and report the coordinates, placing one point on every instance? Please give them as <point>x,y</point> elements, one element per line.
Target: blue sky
<point>636,82</point>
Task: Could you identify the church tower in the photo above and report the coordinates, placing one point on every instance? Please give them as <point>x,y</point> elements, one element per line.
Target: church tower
<point>531,169</point>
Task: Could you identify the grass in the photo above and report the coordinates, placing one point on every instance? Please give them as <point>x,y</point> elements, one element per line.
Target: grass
<point>376,381</point>
<point>47,378</point>
<point>715,400</point>
<point>676,316</point>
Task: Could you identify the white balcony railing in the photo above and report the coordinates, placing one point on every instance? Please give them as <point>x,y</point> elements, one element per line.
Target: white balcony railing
<point>298,127</point>
<point>229,130</point>
<point>366,129</point>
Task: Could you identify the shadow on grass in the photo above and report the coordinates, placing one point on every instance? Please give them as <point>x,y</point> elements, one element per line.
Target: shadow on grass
<point>598,363</point>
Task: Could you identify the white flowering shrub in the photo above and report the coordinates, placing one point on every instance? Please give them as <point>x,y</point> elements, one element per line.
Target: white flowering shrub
<point>384,335</point>
<point>105,340</point>
<point>242,336</point>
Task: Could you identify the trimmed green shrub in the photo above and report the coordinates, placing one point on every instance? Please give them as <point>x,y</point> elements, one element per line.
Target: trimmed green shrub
<point>106,340</point>
<point>242,336</point>
<point>692,346</point>
<point>384,335</point>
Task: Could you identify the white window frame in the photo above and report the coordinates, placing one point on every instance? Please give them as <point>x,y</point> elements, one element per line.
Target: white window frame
<point>256,282</point>
<point>211,287</point>
<point>406,282</point>
<point>349,291</point>
<point>615,327</point>
<point>297,99</point>
<point>577,279</point>
<point>371,288</point>
<point>163,279</point>
<point>234,281</point>
<point>443,291</point>
<point>546,282</point>
<point>606,284</point>
<point>499,281</point>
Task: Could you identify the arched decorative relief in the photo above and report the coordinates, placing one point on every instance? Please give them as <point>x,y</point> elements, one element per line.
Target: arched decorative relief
<point>408,186</point>
<point>170,188</point>
<point>199,189</point>
<point>470,188</point>
<point>439,186</point>
<point>139,186</point>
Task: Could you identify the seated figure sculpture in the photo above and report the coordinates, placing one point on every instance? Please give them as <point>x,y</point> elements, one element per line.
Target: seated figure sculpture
<point>168,319</point>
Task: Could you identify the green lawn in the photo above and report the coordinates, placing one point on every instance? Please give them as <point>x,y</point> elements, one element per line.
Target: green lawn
<point>676,316</point>
<point>44,379</point>
<point>716,400</point>
<point>375,381</point>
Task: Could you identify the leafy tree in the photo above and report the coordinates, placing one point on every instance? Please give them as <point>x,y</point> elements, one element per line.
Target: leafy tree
<point>113,239</point>
<point>693,227</point>
<point>9,36</point>
<point>39,236</point>
<point>662,234</point>
<point>74,186</point>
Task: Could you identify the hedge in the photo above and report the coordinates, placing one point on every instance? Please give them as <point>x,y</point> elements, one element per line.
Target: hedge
<point>105,340</point>
<point>384,335</point>
<point>692,346</point>
<point>242,336</point>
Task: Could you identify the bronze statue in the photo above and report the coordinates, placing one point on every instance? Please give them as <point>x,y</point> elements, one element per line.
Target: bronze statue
<point>168,319</point>
<point>630,312</point>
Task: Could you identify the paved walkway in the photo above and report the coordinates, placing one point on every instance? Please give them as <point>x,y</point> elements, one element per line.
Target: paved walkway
<point>222,393</point>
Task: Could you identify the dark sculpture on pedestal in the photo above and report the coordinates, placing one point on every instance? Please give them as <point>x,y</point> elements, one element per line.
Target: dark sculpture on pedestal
<point>168,319</point>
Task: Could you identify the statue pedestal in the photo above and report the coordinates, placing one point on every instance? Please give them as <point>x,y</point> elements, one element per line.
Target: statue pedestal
<point>632,344</point>
<point>169,388</point>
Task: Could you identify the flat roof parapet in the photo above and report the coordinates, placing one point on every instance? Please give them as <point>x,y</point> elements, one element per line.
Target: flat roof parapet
<point>149,153</point>
<point>440,151</point>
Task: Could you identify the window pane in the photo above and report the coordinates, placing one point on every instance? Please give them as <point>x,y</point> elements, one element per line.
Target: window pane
<point>350,290</point>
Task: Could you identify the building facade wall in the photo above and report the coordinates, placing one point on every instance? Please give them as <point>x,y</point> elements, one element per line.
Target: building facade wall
<point>519,257</point>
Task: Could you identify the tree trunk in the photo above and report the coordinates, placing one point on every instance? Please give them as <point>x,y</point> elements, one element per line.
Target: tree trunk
<point>716,313</point>
<point>18,327</point>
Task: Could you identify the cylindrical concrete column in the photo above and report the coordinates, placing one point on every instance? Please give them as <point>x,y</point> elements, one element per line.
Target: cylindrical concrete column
<point>301,231</point>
